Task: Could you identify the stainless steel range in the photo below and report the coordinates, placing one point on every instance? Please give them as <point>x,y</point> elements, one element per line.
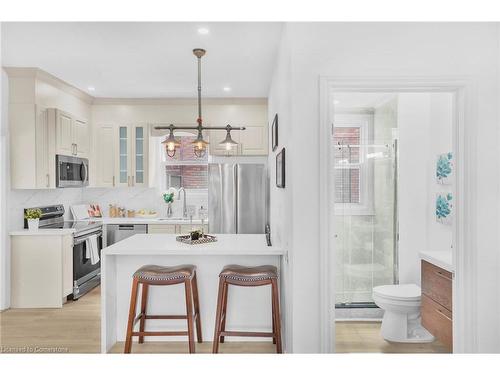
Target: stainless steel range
<point>86,275</point>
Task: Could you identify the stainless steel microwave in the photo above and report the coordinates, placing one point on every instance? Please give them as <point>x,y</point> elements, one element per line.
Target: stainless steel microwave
<point>71,171</point>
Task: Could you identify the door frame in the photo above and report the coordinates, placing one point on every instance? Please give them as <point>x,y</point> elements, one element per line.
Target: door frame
<point>464,137</point>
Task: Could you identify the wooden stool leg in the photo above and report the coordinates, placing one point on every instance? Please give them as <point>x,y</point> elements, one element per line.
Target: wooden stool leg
<point>276,317</point>
<point>189,313</point>
<point>131,316</point>
<point>224,309</point>
<point>272,318</point>
<point>144,302</point>
<point>215,347</point>
<point>197,309</point>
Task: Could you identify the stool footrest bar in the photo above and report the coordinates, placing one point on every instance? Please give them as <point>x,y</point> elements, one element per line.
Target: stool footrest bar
<point>170,333</point>
<point>247,334</point>
<point>166,316</point>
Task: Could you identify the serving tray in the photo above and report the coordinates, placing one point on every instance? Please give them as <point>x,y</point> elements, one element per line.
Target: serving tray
<point>206,238</point>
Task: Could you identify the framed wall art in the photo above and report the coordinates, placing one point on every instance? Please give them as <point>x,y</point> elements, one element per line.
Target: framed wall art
<point>280,169</point>
<point>274,133</point>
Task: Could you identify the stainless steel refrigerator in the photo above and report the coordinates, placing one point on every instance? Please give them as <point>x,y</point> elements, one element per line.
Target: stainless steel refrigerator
<point>237,198</point>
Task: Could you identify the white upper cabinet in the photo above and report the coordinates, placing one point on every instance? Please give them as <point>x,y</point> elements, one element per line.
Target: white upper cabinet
<point>105,152</point>
<point>252,141</point>
<point>81,137</point>
<point>122,155</point>
<point>72,135</point>
<point>64,133</point>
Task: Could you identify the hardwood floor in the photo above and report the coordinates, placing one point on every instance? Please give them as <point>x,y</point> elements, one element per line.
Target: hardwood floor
<point>364,337</point>
<point>76,329</point>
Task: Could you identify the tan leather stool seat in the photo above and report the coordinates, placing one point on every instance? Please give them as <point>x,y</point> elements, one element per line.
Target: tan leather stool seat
<point>153,273</point>
<point>249,274</point>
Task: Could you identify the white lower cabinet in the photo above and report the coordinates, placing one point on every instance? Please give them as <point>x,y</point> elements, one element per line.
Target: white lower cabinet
<point>41,270</point>
<point>162,228</point>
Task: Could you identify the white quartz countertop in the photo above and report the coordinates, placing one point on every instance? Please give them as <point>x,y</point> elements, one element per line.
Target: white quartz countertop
<point>166,244</point>
<point>143,220</point>
<point>43,232</point>
<point>440,258</point>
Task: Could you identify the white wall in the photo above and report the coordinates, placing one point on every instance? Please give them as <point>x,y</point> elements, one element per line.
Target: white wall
<point>425,130</point>
<point>281,206</point>
<point>4,185</point>
<point>388,50</point>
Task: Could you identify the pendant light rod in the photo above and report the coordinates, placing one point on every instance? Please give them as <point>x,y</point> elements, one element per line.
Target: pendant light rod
<point>199,53</point>
<point>181,127</point>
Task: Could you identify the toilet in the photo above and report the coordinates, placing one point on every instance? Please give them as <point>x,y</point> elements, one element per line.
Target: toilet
<point>401,305</point>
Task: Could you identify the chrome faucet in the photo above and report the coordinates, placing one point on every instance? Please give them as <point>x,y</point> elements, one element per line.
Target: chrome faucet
<point>184,208</point>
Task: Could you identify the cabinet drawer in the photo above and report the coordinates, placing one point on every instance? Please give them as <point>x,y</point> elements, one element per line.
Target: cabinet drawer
<point>437,284</point>
<point>437,320</point>
<point>186,228</point>
<point>162,228</point>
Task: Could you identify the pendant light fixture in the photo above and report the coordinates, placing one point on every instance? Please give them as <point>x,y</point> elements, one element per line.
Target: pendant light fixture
<point>171,144</point>
<point>199,144</point>
<point>228,143</point>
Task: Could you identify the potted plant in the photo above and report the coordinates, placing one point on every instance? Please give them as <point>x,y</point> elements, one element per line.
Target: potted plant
<point>33,216</point>
<point>169,199</point>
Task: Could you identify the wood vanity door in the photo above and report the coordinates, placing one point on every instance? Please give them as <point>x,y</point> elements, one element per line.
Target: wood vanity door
<point>437,284</point>
<point>438,321</point>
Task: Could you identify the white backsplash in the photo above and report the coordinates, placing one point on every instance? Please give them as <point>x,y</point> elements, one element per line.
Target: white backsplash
<point>130,198</point>
<point>142,198</point>
<point>21,199</point>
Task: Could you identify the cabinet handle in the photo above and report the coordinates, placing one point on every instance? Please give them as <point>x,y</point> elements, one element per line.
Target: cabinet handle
<point>76,149</point>
<point>439,273</point>
<point>128,181</point>
<point>113,181</point>
<point>133,180</point>
<point>48,180</point>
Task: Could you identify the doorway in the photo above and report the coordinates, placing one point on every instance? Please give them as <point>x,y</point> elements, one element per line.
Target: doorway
<point>362,247</point>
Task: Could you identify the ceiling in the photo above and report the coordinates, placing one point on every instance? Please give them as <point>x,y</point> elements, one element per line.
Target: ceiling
<point>147,59</point>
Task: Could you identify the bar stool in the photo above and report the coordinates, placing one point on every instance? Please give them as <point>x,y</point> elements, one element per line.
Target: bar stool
<point>249,277</point>
<point>158,275</point>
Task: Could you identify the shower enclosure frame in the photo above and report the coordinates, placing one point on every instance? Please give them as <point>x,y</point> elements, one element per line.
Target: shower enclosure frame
<point>464,283</point>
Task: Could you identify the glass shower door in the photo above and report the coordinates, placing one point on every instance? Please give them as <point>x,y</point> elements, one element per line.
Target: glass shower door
<point>365,218</point>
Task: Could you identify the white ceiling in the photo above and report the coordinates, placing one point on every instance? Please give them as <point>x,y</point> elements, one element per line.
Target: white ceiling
<point>140,60</point>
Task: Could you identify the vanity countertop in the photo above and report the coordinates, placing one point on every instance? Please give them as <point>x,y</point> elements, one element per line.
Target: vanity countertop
<point>440,258</point>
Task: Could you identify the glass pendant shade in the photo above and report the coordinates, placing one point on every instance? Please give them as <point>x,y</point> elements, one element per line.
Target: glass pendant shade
<point>200,145</point>
<point>171,144</point>
<point>228,143</point>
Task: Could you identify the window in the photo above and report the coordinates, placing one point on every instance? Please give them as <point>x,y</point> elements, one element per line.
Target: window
<point>185,169</point>
<point>353,174</point>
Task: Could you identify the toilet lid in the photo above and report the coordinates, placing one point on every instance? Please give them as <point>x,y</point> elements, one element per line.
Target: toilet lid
<point>400,291</point>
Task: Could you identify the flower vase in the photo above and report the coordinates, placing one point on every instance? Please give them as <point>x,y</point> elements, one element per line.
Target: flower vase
<point>33,224</point>
<point>169,210</point>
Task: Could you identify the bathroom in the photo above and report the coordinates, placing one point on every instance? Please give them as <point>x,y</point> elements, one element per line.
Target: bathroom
<point>386,147</point>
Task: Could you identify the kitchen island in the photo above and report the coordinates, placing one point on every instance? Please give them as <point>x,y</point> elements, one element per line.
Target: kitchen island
<point>249,309</point>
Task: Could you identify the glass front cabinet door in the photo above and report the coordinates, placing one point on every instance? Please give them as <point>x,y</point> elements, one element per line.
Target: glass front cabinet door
<point>132,155</point>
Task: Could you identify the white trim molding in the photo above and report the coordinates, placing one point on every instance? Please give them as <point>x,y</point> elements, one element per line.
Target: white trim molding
<point>465,338</point>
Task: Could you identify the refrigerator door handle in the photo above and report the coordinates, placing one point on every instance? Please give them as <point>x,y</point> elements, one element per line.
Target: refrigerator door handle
<point>236,188</point>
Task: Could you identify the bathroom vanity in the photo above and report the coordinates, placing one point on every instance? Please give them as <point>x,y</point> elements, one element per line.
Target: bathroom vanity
<point>437,307</point>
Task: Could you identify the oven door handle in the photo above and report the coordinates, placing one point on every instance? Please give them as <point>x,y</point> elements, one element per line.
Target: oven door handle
<point>79,240</point>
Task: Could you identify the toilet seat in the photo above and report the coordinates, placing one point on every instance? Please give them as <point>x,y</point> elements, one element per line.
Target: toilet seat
<point>399,292</point>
